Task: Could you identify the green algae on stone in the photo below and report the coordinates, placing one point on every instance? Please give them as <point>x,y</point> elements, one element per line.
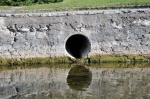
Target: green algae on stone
<point>118,58</point>
<point>64,59</point>
<point>31,61</point>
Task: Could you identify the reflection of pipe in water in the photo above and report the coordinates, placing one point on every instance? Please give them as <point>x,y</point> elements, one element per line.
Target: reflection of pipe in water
<point>79,78</point>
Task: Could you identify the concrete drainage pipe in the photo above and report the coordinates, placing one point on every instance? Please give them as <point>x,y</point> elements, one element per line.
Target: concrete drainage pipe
<point>78,46</point>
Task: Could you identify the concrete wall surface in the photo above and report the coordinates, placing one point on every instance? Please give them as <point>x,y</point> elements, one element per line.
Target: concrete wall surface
<point>45,34</point>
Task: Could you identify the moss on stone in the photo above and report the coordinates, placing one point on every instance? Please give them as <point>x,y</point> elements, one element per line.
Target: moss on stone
<point>3,61</point>
<point>119,58</point>
<point>111,58</point>
<point>94,59</point>
<point>31,61</point>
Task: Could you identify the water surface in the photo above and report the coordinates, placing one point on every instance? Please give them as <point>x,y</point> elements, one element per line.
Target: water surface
<point>74,81</point>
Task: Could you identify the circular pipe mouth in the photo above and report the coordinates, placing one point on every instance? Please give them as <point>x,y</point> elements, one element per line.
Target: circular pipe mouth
<point>78,46</point>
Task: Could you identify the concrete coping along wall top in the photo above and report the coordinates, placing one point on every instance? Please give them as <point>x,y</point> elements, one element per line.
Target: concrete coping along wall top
<point>88,12</point>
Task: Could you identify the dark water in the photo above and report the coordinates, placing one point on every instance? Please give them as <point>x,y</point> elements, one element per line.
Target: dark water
<point>64,81</point>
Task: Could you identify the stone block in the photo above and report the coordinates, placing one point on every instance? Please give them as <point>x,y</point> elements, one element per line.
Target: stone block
<point>6,47</point>
<point>40,35</point>
<point>7,54</point>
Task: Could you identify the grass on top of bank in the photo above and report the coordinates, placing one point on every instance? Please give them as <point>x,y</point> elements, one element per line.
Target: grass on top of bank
<point>4,7</point>
<point>86,3</point>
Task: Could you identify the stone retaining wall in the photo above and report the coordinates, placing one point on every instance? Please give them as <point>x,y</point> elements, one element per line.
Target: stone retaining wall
<point>44,34</point>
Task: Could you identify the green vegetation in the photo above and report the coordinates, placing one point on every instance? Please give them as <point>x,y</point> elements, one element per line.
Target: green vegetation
<point>32,61</point>
<point>119,59</point>
<point>26,2</point>
<point>94,59</point>
<point>46,4</point>
<point>4,7</point>
<point>86,3</point>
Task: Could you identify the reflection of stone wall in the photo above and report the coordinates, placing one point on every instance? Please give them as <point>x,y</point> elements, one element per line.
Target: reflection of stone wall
<point>130,83</point>
<point>26,82</point>
<point>44,35</point>
<point>50,83</point>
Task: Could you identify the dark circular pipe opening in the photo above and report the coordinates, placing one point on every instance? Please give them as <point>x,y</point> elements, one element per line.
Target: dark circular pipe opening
<point>78,45</point>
